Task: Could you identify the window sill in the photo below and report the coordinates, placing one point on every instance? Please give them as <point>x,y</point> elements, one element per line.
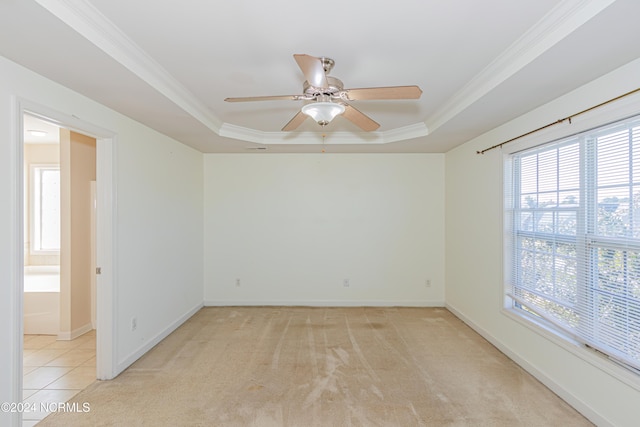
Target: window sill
<point>43,253</point>
<point>600,361</point>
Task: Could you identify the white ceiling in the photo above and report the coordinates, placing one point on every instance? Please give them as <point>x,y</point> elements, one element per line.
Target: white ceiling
<point>171,64</point>
<point>51,131</point>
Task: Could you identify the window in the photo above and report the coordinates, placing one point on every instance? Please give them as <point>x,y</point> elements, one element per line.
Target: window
<point>572,210</point>
<point>45,209</point>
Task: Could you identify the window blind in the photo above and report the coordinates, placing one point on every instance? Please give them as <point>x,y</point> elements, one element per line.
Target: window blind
<point>573,237</point>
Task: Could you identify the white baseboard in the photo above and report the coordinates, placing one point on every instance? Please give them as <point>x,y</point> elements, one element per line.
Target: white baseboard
<point>138,353</point>
<point>68,336</point>
<point>325,303</point>
<point>545,379</point>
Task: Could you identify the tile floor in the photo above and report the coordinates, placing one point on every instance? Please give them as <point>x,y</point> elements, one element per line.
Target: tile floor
<point>55,371</point>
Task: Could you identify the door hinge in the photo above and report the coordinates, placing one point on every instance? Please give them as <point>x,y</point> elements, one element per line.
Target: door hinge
<point>98,270</point>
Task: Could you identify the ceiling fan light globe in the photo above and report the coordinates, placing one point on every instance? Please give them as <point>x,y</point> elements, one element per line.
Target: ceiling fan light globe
<point>323,112</point>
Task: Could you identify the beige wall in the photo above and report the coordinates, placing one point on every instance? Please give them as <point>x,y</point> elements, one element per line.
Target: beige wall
<point>293,227</point>
<point>600,389</point>
<point>77,170</point>
<point>35,154</point>
<point>158,270</point>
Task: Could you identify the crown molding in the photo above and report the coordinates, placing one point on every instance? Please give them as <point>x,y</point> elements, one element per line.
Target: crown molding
<point>417,130</point>
<point>299,138</point>
<point>90,23</point>
<point>557,24</point>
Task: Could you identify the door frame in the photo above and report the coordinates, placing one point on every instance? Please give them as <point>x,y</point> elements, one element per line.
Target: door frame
<point>106,142</point>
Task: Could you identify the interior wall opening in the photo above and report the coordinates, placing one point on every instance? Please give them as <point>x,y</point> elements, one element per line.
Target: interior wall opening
<point>59,300</point>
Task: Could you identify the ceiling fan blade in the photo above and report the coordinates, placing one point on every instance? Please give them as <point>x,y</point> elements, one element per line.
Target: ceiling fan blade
<point>312,69</point>
<point>360,119</point>
<point>295,122</point>
<point>266,98</point>
<point>393,92</point>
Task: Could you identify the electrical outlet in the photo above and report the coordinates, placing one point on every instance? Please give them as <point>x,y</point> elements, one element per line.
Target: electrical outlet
<point>134,323</point>
<point>427,283</point>
<point>238,282</point>
<point>345,283</point>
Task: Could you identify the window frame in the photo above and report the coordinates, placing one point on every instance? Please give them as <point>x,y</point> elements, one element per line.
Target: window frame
<point>35,211</point>
<point>544,327</point>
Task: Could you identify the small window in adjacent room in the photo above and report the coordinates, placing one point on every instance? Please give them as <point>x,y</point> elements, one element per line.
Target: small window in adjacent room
<point>572,212</point>
<point>45,209</point>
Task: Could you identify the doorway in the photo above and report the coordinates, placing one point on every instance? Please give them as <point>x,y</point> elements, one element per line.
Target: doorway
<point>54,191</point>
<point>102,340</point>
<point>59,346</point>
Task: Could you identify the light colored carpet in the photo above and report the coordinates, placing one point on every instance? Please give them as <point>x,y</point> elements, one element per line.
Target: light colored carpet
<point>300,366</point>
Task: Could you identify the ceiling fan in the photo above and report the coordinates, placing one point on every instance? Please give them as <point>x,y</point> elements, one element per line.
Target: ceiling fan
<point>329,98</point>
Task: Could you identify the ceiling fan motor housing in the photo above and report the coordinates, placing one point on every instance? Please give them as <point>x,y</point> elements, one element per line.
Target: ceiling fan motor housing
<point>335,86</point>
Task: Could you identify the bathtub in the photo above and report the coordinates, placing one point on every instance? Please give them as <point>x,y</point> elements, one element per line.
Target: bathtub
<point>42,299</point>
